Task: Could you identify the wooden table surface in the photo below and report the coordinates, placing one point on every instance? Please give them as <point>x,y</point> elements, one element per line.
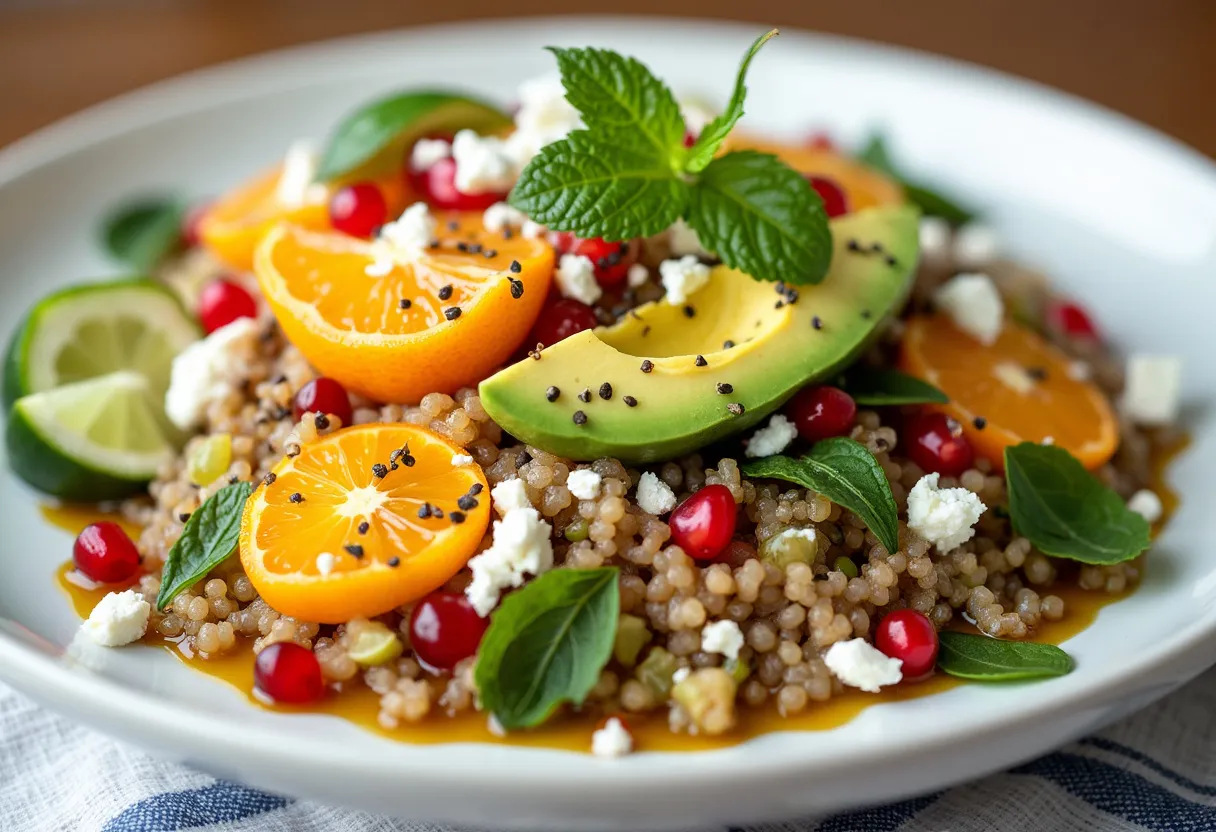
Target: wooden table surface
<point>1152,59</point>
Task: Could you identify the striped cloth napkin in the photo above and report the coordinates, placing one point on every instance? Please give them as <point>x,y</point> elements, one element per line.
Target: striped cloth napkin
<point>1155,770</point>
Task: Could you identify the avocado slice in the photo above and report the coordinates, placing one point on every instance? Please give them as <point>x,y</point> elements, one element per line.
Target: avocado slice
<point>778,348</point>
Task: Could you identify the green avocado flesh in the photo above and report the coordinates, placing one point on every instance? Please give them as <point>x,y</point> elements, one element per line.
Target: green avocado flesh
<point>778,350</point>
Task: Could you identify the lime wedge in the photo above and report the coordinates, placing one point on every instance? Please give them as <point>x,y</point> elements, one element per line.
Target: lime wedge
<point>88,331</point>
<point>100,439</point>
<point>375,645</point>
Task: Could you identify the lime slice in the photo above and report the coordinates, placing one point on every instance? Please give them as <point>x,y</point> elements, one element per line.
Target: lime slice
<point>375,645</point>
<point>88,331</point>
<point>94,440</point>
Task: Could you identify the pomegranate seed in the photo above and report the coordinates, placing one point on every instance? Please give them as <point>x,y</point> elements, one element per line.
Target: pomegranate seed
<point>223,302</point>
<point>704,524</point>
<point>437,185</point>
<point>445,629</point>
<point>821,412</point>
<point>821,141</point>
<point>559,320</point>
<point>104,553</point>
<point>909,636</point>
<point>323,395</point>
<point>835,202</point>
<point>936,443</point>
<point>358,209</point>
<point>690,138</point>
<point>737,553</point>
<point>611,260</point>
<point>1070,319</point>
<point>288,674</point>
<point>190,224</point>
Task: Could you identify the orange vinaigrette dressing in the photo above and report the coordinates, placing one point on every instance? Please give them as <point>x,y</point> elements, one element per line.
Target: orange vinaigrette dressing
<point>359,704</point>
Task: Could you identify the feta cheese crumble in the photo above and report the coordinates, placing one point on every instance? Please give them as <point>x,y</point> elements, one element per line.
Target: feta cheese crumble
<point>1147,504</point>
<point>408,235</point>
<point>509,495</point>
<point>326,561</point>
<point>500,216</point>
<point>655,496</point>
<point>483,164</point>
<point>637,275</point>
<point>531,230</point>
<point>1080,371</point>
<point>521,547</point>
<point>584,484</point>
<point>427,152</point>
<point>680,675</point>
<point>973,303</point>
<point>943,516</point>
<point>1151,393</point>
<point>613,740</point>
<point>544,116</point>
<point>682,278</point>
<point>934,240</point>
<point>772,438</point>
<point>976,245</point>
<point>683,240</point>
<point>296,186</point>
<point>722,637</point>
<point>461,459</point>
<point>859,664</point>
<point>575,278</point>
<point>208,371</point>
<point>119,618</point>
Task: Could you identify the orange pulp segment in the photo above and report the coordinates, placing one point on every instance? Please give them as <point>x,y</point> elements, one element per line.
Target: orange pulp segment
<point>394,337</point>
<point>1021,386</point>
<point>397,558</point>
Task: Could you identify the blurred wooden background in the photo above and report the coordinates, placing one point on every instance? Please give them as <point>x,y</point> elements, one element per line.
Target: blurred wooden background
<point>1152,59</point>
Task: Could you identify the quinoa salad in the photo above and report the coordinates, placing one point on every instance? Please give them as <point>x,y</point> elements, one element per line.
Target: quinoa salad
<point>604,409</point>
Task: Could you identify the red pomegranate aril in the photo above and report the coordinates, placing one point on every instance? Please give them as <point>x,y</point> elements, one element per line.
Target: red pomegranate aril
<point>704,524</point>
<point>909,636</point>
<point>559,320</point>
<point>690,138</point>
<point>191,238</point>
<point>611,260</point>
<point>104,553</point>
<point>288,674</point>
<point>323,395</point>
<point>437,185</point>
<point>222,302</point>
<point>821,140</point>
<point>445,629</point>
<point>835,203</point>
<point>821,412</point>
<point>1071,320</point>
<point>358,209</point>
<point>936,443</point>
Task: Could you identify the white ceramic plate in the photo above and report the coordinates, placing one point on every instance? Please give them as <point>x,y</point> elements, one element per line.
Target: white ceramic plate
<point>1120,214</point>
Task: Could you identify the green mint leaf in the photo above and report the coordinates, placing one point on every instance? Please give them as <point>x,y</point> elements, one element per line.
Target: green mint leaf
<point>885,388</point>
<point>598,188</point>
<point>143,233</point>
<point>547,644</point>
<point>711,138</point>
<point>762,218</point>
<point>380,131</point>
<point>209,538</point>
<point>618,95</point>
<point>847,474</point>
<point>933,203</point>
<point>1065,511</point>
<point>970,656</point>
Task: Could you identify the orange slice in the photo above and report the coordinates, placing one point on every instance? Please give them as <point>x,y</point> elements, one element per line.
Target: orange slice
<point>1021,387</point>
<point>352,326</point>
<point>234,224</point>
<point>399,556</point>
<point>864,186</point>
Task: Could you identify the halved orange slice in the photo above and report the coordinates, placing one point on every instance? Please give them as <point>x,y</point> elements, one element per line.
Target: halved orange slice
<point>1021,388</point>
<point>363,521</point>
<point>441,320</point>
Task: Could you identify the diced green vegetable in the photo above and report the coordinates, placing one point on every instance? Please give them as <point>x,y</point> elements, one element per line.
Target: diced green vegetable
<point>577,530</point>
<point>210,459</point>
<point>656,670</point>
<point>790,546</point>
<point>632,635</point>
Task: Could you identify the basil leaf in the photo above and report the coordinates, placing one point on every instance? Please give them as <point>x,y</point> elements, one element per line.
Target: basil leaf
<point>762,218</point>
<point>386,125</point>
<point>143,233</point>
<point>1065,511</point>
<point>619,95</point>
<point>547,644</point>
<point>600,188</point>
<point>846,473</point>
<point>970,656</point>
<point>209,537</point>
<point>883,388</point>
<point>933,203</point>
<point>711,138</point>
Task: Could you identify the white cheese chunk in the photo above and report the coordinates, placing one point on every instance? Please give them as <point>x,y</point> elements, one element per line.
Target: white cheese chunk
<point>975,245</point>
<point>407,236</point>
<point>521,546</point>
<point>772,438</point>
<point>975,306</point>
<point>326,561</point>
<point>638,275</point>
<point>1080,371</point>
<point>680,675</point>
<point>427,152</point>
<point>1152,389</point>
<point>655,496</point>
<point>509,495</point>
<point>584,484</point>
<point>682,278</point>
<point>543,117</point>
<point>859,664</point>
<point>461,459</point>
<point>575,278</point>
<point>934,241</point>
<point>683,240</point>
<point>209,370</point>
<point>943,516</point>
<point>296,187</point>
<point>119,618</point>
<point>1014,376</point>
<point>613,740</point>
<point>483,164</point>
<point>532,230</point>
<point>1147,504</point>
<point>500,216</point>
<point>722,637</point>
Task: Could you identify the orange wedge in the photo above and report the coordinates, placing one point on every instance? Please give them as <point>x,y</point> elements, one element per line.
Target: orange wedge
<point>864,186</point>
<point>398,556</point>
<point>1021,388</point>
<point>393,338</point>
<point>234,224</point>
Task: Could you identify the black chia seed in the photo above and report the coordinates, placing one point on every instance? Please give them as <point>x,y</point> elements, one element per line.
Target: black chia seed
<point>647,365</point>
<point>394,561</point>
<point>363,527</point>
<point>456,517</point>
<point>725,389</point>
<point>701,362</point>
<point>689,310</point>
<point>380,470</point>
<point>580,418</point>
<point>354,549</point>
<point>269,478</point>
<point>630,401</point>
<point>515,267</point>
<point>585,396</point>
<point>452,313</point>
<point>297,497</point>
<point>980,422</point>
<point>467,502</point>
<point>552,394</point>
<point>736,409</point>
<point>321,421</point>
<point>445,292</point>
<point>605,391</point>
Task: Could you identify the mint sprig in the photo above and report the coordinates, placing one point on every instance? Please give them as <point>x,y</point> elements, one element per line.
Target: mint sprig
<point>629,174</point>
